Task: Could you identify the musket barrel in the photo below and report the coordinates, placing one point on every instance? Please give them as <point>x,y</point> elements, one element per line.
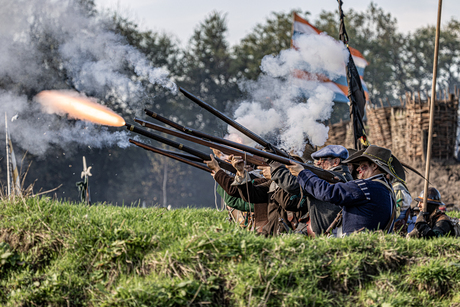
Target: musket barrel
<point>170,155</point>
<point>225,149</point>
<point>225,165</point>
<point>184,155</point>
<point>167,121</point>
<point>231,122</point>
<point>250,153</point>
<point>166,141</point>
<point>193,132</point>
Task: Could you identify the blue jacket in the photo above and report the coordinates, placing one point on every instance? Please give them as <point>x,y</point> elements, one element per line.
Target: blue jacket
<point>366,203</point>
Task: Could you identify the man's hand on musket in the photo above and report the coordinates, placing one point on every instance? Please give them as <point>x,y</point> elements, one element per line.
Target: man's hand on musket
<point>295,168</point>
<point>213,165</point>
<point>238,164</point>
<point>217,153</point>
<point>266,171</point>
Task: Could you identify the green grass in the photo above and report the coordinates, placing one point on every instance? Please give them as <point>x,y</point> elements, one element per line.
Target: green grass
<point>60,254</point>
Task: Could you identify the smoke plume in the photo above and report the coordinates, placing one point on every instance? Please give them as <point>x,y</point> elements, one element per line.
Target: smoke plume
<point>51,44</point>
<point>285,109</point>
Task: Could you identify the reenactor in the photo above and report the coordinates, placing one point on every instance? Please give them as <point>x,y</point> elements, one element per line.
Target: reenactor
<point>280,202</point>
<point>240,210</point>
<point>319,214</point>
<point>433,222</point>
<point>367,203</point>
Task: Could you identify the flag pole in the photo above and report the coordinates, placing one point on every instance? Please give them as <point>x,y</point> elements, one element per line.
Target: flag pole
<point>432,101</point>
<point>356,94</point>
<point>292,28</point>
<point>7,157</point>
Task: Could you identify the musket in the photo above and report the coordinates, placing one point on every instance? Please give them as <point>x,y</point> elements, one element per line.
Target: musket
<point>225,149</point>
<point>279,155</point>
<point>225,165</point>
<point>232,123</point>
<point>251,154</point>
<point>170,155</point>
<point>190,131</point>
<point>183,155</point>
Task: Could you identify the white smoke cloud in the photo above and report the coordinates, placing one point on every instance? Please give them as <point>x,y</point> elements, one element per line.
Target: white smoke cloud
<point>315,53</point>
<point>276,110</point>
<point>93,58</point>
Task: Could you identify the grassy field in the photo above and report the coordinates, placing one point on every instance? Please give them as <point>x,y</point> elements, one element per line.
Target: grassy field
<point>60,254</point>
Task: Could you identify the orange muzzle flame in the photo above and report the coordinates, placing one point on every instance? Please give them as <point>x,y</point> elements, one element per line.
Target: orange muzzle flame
<point>78,106</point>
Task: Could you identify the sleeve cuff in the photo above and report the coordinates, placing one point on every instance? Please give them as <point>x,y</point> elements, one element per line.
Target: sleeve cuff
<point>241,180</point>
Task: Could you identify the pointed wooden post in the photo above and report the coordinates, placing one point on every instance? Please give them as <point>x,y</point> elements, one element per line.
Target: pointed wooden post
<point>85,176</point>
<point>433,101</point>
<point>7,158</point>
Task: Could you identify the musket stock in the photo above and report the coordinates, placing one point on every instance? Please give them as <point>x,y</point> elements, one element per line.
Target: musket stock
<point>225,165</point>
<point>170,155</point>
<point>231,122</point>
<point>251,154</point>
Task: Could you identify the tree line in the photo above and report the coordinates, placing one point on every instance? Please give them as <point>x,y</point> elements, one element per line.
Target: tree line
<point>212,69</point>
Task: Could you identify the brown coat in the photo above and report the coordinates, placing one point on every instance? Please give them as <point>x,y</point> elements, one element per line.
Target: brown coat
<point>260,209</point>
<point>284,209</point>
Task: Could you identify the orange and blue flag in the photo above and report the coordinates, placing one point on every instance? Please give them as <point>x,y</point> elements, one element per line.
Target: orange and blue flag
<point>339,84</point>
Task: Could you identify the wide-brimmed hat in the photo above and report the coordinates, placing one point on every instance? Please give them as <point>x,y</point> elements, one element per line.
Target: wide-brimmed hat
<point>352,151</point>
<point>382,157</point>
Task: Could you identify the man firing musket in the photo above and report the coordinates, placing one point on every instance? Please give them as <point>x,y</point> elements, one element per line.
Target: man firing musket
<point>282,220</point>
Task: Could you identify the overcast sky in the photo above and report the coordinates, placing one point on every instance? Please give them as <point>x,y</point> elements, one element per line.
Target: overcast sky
<point>180,17</point>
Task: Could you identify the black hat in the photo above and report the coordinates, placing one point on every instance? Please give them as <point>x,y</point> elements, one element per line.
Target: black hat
<point>434,197</point>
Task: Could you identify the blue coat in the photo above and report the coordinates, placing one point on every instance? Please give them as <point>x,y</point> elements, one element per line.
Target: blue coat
<point>365,203</point>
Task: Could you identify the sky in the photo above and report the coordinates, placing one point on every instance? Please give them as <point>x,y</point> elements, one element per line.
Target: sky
<point>181,17</point>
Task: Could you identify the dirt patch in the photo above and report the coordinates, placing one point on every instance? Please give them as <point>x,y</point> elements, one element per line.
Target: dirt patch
<point>444,176</point>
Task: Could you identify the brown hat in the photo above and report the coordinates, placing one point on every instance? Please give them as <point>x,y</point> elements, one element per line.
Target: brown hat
<point>352,151</point>
<point>382,157</point>
<point>353,154</point>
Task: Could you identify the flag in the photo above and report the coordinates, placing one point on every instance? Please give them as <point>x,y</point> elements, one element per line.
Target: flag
<point>339,85</point>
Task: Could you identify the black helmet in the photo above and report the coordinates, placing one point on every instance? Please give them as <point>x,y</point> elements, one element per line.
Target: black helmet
<point>434,197</point>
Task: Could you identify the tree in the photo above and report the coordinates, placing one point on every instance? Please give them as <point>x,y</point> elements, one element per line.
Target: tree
<point>118,174</point>
<point>268,38</point>
<point>146,175</point>
<point>418,63</point>
<point>207,72</point>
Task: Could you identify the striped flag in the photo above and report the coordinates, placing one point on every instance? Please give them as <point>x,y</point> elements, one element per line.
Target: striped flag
<point>339,85</point>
